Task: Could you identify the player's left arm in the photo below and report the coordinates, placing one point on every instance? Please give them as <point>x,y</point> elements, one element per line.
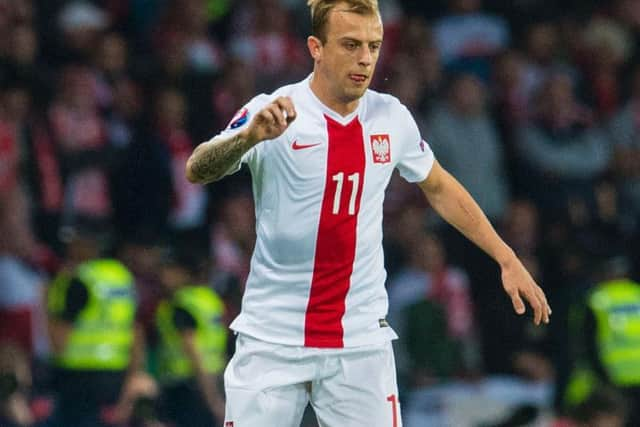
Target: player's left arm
<point>452,201</point>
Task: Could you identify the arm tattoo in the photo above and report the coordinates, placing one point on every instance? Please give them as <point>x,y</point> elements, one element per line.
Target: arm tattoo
<point>212,160</point>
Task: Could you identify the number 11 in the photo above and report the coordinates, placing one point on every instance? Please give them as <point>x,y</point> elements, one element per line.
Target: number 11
<point>339,180</point>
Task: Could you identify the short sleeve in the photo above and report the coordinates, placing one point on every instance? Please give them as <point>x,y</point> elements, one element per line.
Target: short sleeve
<point>238,123</point>
<point>417,158</point>
<point>76,300</point>
<point>183,320</point>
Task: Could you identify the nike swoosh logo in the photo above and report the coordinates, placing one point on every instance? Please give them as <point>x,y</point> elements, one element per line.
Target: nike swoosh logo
<point>297,146</point>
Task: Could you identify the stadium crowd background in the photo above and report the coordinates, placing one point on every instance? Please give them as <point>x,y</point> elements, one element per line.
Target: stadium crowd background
<point>533,105</point>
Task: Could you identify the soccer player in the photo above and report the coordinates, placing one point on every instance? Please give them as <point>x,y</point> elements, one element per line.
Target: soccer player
<point>321,153</point>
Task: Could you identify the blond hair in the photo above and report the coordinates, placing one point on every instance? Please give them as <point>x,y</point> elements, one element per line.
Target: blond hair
<point>320,10</point>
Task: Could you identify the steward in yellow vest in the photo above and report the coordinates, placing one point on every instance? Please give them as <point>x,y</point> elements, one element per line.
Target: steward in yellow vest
<point>192,345</point>
<point>92,318</point>
<point>608,329</point>
<point>101,338</point>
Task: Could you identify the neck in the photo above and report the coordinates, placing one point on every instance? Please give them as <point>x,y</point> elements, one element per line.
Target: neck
<point>320,89</point>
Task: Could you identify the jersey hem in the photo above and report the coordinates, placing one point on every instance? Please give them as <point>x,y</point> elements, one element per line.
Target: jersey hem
<point>368,339</point>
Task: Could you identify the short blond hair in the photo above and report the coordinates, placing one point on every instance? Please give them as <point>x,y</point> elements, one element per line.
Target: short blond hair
<point>320,10</point>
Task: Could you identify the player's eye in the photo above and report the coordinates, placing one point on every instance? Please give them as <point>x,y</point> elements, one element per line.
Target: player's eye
<point>349,45</point>
<point>374,47</point>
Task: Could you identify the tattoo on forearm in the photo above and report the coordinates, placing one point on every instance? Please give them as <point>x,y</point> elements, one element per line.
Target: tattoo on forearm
<point>212,161</point>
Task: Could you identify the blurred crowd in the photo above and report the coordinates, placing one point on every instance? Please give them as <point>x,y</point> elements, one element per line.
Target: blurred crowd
<point>533,105</point>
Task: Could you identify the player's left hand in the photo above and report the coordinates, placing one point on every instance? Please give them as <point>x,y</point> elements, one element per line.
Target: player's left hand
<point>518,284</point>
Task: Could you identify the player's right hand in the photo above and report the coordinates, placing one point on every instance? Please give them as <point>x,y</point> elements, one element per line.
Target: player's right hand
<point>272,120</point>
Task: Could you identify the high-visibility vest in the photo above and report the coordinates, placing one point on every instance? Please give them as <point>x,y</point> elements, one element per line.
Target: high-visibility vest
<point>207,309</point>
<point>616,306</point>
<point>103,332</point>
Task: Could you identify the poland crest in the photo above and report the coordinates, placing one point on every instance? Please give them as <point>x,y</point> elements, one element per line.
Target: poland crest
<point>381,148</point>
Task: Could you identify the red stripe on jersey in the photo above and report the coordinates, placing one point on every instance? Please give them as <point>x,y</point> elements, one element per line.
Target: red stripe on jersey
<point>336,244</point>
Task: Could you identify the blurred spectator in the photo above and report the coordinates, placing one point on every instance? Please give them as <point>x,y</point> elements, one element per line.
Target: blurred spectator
<point>405,82</point>
<point>141,253</point>
<point>521,227</point>
<point>414,52</point>
<point>154,192</point>
<point>431,76</point>
<point>192,347</point>
<point>405,219</point>
<point>607,46</point>
<point>233,237</point>
<point>22,318</point>
<point>627,12</point>
<point>125,115</point>
<point>624,130</point>
<point>233,90</point>
<point>393,20</point>
<point>512,106</point>
<point>15,386</point>
<point>269,46</point>
<point>188,21</point>
<point>80,137</point>
<point>172,68</point>
<point>468,38</point>
<point>511,97</point>
<point>606,350</point>
<point>542,51</point>
<point>561,153</point>
<point>522,349</point>
<point>430,306</point>
<point>9,161</point>
<point>29,163</point>
<point>110,63</point>
<point>148,157</point>
<point>189,202</point>
<point>81,23</point>
<point>22,64</point>
<point>203,49</point>
<point>97,347</point>
<point>604,407</point>
<point>232,240</point>
<point>465,140</point>
<point>141,397</point>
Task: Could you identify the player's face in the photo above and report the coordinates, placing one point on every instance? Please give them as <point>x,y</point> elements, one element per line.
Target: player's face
<point>348,58</point>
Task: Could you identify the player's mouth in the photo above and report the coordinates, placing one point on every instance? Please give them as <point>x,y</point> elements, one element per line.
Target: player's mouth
<point>358,78</point>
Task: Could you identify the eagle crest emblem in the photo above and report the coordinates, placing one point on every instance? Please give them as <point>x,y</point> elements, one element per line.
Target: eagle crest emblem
<point>381,148</point>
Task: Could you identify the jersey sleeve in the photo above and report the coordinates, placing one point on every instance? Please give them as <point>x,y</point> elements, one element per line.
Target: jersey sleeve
<point>183,320</point>
<point>417,158</point>
<point>238,123</point>
<point>76,300</point>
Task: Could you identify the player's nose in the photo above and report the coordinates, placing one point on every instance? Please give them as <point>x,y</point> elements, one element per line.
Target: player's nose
<point>366,57</point>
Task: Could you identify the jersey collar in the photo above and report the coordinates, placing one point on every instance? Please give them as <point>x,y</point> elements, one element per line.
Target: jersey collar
<point>343,120</point>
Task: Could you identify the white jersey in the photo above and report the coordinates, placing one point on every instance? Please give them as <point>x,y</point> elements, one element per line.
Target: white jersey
<point>317,273</point>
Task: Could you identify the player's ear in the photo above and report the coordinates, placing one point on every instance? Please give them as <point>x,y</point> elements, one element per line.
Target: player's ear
<point>315,47</point>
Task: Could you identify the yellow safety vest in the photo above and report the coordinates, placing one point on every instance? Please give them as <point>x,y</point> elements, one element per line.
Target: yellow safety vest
<point>102,334</point>
<point>616,305</point>
<point>207,309</point>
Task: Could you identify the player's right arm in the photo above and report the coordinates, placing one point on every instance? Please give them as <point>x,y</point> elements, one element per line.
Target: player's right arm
<point>213,159</point>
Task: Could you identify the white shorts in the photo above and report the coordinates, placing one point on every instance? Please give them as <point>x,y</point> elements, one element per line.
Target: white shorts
<point>270,385</point>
